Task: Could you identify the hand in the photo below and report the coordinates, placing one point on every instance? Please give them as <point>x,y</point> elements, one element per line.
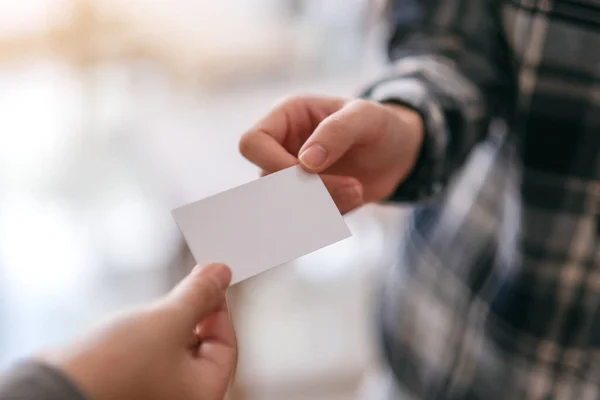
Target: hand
<point>183,347</point>
<point>364,149</point>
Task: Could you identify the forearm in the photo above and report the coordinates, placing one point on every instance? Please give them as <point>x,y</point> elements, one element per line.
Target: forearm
<point>37,381</point>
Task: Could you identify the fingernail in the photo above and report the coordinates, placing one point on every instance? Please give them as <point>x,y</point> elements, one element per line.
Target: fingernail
<point>314,157</point>
<point>348,194</point>
<point>219,272</point>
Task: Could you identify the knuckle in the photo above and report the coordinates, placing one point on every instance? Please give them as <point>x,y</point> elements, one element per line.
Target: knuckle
<point>288,102</point>
<point>360,105</point>
<point>246,143</point>
<point>336,126</point>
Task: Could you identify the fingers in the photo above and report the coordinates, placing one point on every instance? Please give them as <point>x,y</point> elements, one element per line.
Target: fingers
<point>264,151</point>
<point>358,123</point>
<point>346,192</point>
<point>217,326</point>
<point>216,354</point>
<point>273,143</point>
<point>200,294</point>
<point>216,336</point>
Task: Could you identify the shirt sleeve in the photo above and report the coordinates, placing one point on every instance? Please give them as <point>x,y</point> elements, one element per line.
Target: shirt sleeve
<point>450,63</point>
<point>36,381</point>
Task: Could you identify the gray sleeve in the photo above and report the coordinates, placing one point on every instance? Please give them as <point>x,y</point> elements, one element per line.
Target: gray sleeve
<point>36,381</point>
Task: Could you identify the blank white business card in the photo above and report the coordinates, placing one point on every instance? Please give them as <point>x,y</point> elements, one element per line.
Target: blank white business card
<point>262,224</point>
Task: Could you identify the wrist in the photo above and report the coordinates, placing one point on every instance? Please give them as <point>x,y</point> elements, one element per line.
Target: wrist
<point>88,371</point>
<point>412,135</point>
<point>417,184</point>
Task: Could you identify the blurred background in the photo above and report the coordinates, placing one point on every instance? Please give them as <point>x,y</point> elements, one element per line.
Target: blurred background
<point>114,112</point>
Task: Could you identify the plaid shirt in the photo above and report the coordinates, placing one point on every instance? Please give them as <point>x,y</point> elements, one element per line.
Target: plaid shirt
<point>496,294</point>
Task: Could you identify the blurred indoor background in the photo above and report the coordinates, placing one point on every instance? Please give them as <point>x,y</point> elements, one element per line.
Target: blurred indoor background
<point>114,112</point>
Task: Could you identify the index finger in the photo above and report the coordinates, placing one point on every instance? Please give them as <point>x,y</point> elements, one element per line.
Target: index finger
<point>273,143</point>
<point>261,149</point>
<point>217,327</point>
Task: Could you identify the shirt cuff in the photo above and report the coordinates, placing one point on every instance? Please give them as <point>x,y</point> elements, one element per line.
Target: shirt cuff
<point>33,380</point>
<point>426,181</point>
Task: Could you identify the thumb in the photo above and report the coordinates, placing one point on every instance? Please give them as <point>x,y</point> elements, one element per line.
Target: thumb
<point>201,293</point>
<point>357,123</point>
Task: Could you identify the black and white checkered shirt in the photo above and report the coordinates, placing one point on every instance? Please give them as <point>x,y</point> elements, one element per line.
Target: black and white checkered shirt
<point>496,294</point>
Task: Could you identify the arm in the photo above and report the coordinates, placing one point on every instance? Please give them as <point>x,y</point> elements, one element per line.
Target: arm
<point>33,381</point>
<point>449,63</point>
<point>181,346</point>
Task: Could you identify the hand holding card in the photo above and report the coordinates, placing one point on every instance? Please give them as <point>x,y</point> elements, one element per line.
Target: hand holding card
<point>262,224</point>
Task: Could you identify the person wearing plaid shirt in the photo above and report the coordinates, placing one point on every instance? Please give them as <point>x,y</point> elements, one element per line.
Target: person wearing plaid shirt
<point>496,291</point>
